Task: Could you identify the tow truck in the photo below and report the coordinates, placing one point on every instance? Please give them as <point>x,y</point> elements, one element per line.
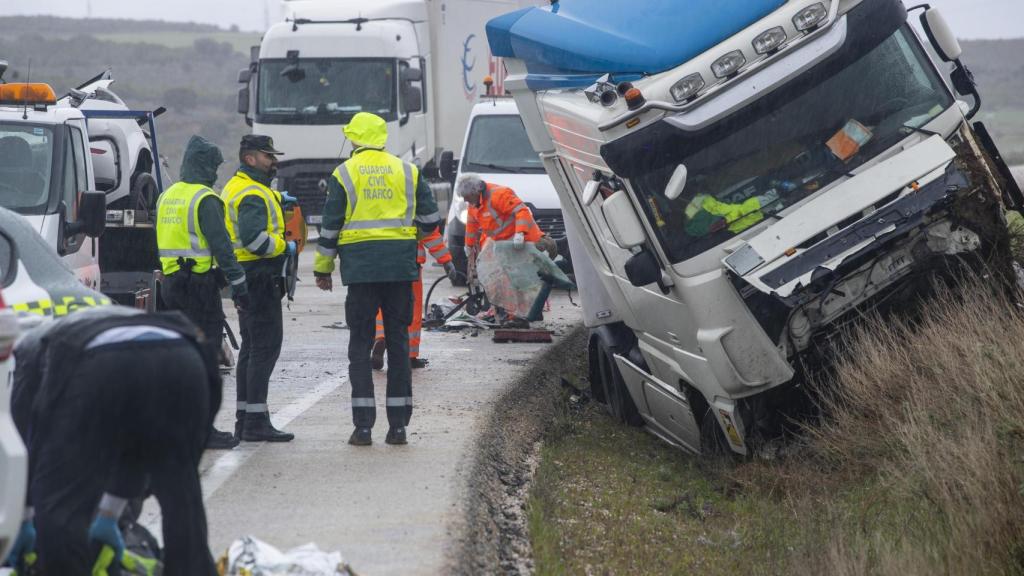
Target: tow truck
<point>64,162</point>
<point>742,180</point>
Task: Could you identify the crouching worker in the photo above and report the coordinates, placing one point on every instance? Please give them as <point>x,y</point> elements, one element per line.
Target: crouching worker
<point>107,400</point>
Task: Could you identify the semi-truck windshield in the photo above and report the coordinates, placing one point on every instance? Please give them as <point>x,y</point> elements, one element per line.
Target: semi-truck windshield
<point>499,143</point>
<point>26,166</point>
<point>325,90</point>
<point>756,164</point>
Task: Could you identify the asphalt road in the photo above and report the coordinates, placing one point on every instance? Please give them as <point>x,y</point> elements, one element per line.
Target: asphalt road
<point>387,509</point>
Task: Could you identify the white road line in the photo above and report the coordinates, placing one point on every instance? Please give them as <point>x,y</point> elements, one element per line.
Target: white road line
<point>226,466</point>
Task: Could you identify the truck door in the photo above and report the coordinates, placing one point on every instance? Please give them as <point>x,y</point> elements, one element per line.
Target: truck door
<point>664,327</point>
<point>412,111</point>
<point>79,251</point>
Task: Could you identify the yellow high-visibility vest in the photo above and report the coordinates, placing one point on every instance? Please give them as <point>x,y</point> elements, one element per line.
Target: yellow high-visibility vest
<point>177,228</point>
<point>240,187</point>
<point>381,194</point>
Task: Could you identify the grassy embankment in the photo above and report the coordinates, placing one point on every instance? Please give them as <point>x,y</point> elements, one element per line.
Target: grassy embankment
<point>919,471</point>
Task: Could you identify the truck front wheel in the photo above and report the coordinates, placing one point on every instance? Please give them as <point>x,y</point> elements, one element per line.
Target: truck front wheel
<point>613,388</point>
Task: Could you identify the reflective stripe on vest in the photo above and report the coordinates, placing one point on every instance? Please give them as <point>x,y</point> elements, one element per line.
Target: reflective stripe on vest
<point>177,228</point>
<point>376,209</point>
<point>237,190</point>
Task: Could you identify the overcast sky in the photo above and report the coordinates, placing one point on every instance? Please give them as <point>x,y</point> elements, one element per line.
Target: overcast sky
<point>970,18</point>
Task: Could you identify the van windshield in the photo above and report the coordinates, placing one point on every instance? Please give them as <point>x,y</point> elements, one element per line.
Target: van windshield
<point>747,169</point>
<point>26,166</point>
<point>325,90</point>
<point>498,143</point>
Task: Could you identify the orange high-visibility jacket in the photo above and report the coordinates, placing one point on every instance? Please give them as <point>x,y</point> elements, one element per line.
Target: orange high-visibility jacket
<point>433,242</point>
<point>500,216</point>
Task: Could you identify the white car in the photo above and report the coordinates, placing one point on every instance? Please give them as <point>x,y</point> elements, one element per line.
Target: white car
<point>13,456</point>
<point>499,150</point>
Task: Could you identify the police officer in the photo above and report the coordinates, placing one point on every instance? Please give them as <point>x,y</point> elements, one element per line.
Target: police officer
<point>255,221</point>
<point>375,202</point>
<point>192,237</point>
<point>107,399</point>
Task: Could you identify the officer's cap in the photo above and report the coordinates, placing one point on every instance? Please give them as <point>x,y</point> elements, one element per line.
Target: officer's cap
<point>259,143</point>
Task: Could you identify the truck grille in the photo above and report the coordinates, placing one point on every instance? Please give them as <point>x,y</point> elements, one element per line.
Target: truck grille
<point>306,187</point>
<point>551,223</point>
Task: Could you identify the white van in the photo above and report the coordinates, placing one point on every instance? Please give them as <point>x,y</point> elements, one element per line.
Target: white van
<point>497,148</point>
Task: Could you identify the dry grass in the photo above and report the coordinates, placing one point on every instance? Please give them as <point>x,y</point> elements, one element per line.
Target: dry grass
<point>933,416</point>
<point>918,468</point>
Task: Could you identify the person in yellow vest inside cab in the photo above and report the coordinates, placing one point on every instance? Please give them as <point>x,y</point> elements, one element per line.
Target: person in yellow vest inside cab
<point>195,252</point>
<point>255,221</point>
<point>375,205</point>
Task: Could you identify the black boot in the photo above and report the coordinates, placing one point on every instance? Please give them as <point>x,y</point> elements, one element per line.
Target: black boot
<point>396,436</point>
<point>360,437</point>
<point>377,354</point>
<point>239,423</point>
<point>221,440</point>
<point>417,363</point>
<point>258,428</point>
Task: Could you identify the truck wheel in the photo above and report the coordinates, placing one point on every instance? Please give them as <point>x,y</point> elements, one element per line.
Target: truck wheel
<point>620,404</point>
<point>712,440</point>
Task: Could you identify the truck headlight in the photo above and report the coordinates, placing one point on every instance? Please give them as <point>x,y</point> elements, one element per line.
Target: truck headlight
<point>729,64</point>
<point>810,17</point>
<point>770,40</point>
<point>687,87</point>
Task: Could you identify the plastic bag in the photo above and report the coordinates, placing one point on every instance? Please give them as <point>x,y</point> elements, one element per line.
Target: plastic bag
<point>510,277</point>
<point>252,557</point>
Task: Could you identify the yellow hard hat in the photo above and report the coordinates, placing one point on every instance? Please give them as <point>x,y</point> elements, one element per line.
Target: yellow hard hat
<point>367,131</point>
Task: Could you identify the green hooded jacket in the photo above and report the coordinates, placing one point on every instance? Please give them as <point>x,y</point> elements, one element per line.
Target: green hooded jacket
<point>199,166</point>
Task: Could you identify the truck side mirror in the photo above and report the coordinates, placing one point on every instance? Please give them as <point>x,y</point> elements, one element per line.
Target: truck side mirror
<point>449,167</point>
<point>677,183</point>
<point>92,215</point>
<point>642,269</point>
<point>941,35</point>
<point>243,100</point>
<point>412,75</point>
<point>625,226</point>
<point>412,99</point>
<point>244,75</point>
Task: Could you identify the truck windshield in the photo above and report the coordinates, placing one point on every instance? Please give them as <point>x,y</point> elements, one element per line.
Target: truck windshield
<point>498,143</point>
<point>756,164</point>
<point>26,165</point>
<point>325,90</point>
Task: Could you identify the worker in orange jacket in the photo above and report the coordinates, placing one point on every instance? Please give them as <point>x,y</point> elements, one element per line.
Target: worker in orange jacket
<point>495,212</point>
<point>434,243</point>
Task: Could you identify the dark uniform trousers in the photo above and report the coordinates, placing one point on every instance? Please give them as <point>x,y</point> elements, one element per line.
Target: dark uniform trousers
<point>198,297</point>
<point>394,300</point>
<point>135,411</point>
<point>262,333</point>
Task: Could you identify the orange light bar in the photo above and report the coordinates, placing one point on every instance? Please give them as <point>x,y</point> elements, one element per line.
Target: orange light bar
<point>27,94</point>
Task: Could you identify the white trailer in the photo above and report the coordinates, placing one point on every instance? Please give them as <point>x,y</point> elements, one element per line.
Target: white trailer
<point>742,180</point>
<point>420,64</point>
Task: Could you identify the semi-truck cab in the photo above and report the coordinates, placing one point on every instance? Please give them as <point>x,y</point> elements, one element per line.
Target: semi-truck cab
<point>418,64</point>
<point>742,180</point>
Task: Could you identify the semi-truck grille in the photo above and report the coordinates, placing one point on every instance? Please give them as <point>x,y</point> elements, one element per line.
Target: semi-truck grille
<point>307,188</point>
<point>551,223</point>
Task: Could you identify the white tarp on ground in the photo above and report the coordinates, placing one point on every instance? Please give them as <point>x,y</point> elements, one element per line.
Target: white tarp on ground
<point>509,276</point>
<point>252,557</point>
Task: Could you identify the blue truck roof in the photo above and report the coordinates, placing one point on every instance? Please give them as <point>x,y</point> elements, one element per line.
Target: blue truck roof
<point>573,42</point>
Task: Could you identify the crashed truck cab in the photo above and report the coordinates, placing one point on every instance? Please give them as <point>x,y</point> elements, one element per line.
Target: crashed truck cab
<point>745,178</point>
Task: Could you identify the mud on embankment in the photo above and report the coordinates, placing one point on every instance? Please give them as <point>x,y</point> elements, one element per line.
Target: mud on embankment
<point>493,536</point>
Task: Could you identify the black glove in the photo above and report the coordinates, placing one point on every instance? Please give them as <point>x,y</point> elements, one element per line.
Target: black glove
<point>242,301</point>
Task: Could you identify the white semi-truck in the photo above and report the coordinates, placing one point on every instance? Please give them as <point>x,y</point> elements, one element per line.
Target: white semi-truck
<point>742,180</point>
<point>420,64</point>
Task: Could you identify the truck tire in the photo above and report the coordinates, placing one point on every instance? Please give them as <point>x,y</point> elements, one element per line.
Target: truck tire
<point>617,399</point>
<point>712,440</point>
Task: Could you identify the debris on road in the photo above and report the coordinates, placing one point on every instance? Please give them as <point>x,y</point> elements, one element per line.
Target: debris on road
<point>250,556</point>
<point>504,336</point>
